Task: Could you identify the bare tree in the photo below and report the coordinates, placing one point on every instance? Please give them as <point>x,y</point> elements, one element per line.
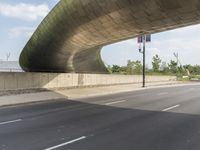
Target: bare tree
<point>179,62</point>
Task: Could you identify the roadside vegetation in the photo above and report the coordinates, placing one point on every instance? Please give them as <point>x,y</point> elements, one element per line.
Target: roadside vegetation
<point>159,67</point>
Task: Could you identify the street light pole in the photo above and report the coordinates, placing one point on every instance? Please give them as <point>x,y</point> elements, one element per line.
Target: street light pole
<point>144,52</point>
<point>143,39</point>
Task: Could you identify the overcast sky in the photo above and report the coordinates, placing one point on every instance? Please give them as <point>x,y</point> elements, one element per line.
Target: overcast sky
<point>20,18</point>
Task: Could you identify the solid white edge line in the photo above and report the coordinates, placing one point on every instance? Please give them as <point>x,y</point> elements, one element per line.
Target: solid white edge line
<point>12,121</point>
<point>66,143</point>
<point>170,108</point>
<point>116,102</point>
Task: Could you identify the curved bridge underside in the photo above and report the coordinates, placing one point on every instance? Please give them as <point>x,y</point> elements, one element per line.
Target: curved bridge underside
<point>70,38</point>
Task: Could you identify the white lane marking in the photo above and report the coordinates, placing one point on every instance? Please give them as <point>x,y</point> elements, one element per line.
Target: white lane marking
<point>12,121</point>
<point>116,102</point>
<point>164,93</point>
<point>170,108</point>
<point>67,143</point>
<point>123,97</point>
<point>139,95</point>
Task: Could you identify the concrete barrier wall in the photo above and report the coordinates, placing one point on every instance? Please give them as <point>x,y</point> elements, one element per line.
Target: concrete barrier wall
<point>15,81</point>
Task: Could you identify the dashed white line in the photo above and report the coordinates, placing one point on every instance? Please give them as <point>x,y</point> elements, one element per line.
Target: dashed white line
<point>116,102</point>
<point>164,93</point>
<point>139,95</point>
<point>67,143</point>
<point>12,121</point>
<point>170,108</point>
<point>124,97</point>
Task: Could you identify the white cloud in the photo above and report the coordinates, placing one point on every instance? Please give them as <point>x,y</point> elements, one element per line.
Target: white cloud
<point>21,31</point>
<point>27,12</point>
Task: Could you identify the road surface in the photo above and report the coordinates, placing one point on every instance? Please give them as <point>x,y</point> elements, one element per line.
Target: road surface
<point>151,119</point>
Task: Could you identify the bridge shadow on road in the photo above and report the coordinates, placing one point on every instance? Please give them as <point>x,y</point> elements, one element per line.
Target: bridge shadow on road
<point>105,127</point>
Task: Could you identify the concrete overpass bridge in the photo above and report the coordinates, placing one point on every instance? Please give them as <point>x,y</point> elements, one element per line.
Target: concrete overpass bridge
<point>70,38</point>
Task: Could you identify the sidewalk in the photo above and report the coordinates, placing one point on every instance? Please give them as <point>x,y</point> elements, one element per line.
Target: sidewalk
<point>79,93</point>
<point>105,90</point>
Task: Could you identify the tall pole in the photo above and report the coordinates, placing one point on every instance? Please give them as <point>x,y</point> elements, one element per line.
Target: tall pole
<point>144,44</point>
<point>143,39</point>
<point>7,56</point>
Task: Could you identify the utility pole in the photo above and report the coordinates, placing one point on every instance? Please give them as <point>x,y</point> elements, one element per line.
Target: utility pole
<point>176,56</point>
<point>179,62</point>
<point>7,56</point>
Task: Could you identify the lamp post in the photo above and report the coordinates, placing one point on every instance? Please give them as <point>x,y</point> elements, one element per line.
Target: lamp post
<point>144,53</point>
<point>143,39</point>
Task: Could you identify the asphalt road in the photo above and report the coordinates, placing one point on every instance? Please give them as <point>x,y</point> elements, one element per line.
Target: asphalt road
<point>152,119</point>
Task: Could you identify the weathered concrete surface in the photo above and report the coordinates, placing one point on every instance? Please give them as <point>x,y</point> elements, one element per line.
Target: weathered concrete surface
<point>70,38</point>
<point>17,81</point>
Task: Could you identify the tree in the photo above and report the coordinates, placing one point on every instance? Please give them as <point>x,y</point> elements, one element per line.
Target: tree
<point>194,70</point>
<point>138,67</point>
<point>164,68</point>
<point>115,69</point>
<point>134,67</point>
<point>156,63</point>
<point>109,68</point>
<point>173,66</point>
<point>129,67</point>
<point>123,70</point>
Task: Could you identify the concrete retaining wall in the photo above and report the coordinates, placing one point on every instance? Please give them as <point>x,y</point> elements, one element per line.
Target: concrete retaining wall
<point>15,81</point>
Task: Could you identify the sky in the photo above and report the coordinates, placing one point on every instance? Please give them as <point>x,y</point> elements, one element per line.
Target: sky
<point>184,41</point>
<point>20,18</point>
